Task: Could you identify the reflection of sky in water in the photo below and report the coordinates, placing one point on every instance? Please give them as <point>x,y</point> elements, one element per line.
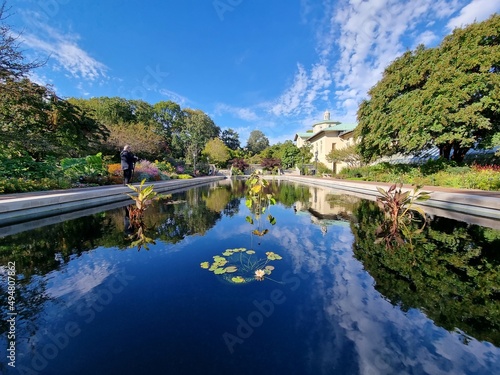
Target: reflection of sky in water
<point>169,315</point>
<point>386,339</point>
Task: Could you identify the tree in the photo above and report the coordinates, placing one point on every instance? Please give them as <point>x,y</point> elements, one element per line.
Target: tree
<point>289,154</point>
<point>230,139</point>
<point>257,141</point>
<point>447,97</point>
<point>217,151</point>
<point>37,123</point>
<point>348,155</point>
<point>170,118</point>
<point>12,61</point>
<point>239,164</point>
<point>270,164</point>
<point>198,129</point>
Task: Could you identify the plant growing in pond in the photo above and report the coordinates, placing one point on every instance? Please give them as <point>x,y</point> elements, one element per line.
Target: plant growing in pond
<point>239,266</point>
<point>258,202</point>
<point>134,214</point>
<point>399,210</point>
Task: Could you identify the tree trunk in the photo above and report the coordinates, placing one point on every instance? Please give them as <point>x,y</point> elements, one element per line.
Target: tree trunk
<point>459,153</point>
<point>445,151</point>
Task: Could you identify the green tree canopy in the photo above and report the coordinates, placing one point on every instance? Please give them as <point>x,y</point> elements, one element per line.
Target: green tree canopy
<point>230,139</point>
<point>448,97</point>
<point>348,155</point>
<point>217,151</point>
<point>257,141</point>
<point>198,129</point>
<point>289,154</point>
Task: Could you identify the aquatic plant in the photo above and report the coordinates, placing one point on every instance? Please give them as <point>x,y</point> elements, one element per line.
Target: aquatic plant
<point>144,197</point>
<point>134,214</point>
<point>258,202</point>
<point>399,210</point>
<point>238,266</point>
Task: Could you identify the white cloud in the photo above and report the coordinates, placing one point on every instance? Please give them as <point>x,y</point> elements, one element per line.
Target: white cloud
<point>306,89</point>
<point>357,40</point>
<point>63,50</point>
<point>426,38</point>
<point>476,10</point>
<point>245,114</point>
<point>371,34</point>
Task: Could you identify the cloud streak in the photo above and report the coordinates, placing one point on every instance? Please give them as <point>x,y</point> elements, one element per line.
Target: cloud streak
<point>63,51</point>
<point>357,40</point>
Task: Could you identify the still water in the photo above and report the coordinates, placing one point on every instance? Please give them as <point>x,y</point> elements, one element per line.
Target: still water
<point>337,302</point>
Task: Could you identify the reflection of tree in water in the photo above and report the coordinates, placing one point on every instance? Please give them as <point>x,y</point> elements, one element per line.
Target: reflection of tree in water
<point>232,207</point>
<point>217,199</point>
<point>288,194</point>
<point>39,252</point>
<point>452,271</point>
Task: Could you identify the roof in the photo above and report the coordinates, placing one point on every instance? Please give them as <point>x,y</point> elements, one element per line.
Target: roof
<point>337,128</point>
<point>303,135</point>
<point>341,127</point>
<point>327,122</point>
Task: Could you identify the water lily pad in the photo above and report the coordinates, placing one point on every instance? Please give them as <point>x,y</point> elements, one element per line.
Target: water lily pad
<point>238,279</point>
<point>219,271</point>
<point>227,253</point>
<point>231,269</point>
<point>270,268</point>
<point>250,252</point>
<point>205,265</point>
<point>221,263</point>
<point>273,256</point>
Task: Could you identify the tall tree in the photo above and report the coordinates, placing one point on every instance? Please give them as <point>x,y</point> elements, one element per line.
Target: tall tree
<point>257,142</point>
<point>170,118</point>
<point>448,97</point>
<point>198,129</point>
<point>230,139</point>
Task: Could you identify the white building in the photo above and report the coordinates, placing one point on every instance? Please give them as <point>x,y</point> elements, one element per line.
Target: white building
<point>325,136</point>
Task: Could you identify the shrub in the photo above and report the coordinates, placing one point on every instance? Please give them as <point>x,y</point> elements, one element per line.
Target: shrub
<point>164,166</point>
<point>22,185</point>
<point>90,168</point>
<point>184,176</point>
<point>147,170</point>
<point>115,174</point>
<point>435,166</point>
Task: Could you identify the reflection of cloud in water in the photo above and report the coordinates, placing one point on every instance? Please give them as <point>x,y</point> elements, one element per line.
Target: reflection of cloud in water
<point>78,281</point>
<point>222,232</point>
<point>385,339</point>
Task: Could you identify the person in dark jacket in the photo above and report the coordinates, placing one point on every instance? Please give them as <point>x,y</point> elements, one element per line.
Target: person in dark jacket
<point>128,160</point>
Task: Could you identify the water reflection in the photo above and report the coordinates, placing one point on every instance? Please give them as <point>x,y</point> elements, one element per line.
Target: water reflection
<point>347,305</point>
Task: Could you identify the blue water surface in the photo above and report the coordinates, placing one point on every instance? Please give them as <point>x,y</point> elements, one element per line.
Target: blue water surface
<point>123,311</point>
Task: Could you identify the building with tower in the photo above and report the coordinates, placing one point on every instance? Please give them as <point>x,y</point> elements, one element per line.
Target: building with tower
<point>325,136</point>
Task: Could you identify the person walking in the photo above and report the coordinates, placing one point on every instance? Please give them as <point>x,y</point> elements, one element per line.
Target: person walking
<point>128,160</point>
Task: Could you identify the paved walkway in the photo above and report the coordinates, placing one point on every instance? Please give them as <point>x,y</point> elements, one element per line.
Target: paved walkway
<point>482,193</point>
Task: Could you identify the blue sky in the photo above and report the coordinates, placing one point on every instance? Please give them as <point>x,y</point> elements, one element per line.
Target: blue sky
<point>275,66</point>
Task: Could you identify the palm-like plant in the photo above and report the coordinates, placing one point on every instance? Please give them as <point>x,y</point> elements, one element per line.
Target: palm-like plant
<point>143,199</point>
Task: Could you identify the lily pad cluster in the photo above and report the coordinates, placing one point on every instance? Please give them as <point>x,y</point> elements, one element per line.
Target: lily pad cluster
<point>238,266</point>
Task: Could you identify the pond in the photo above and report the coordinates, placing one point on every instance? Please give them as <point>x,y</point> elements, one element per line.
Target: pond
<point>331,299</point>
